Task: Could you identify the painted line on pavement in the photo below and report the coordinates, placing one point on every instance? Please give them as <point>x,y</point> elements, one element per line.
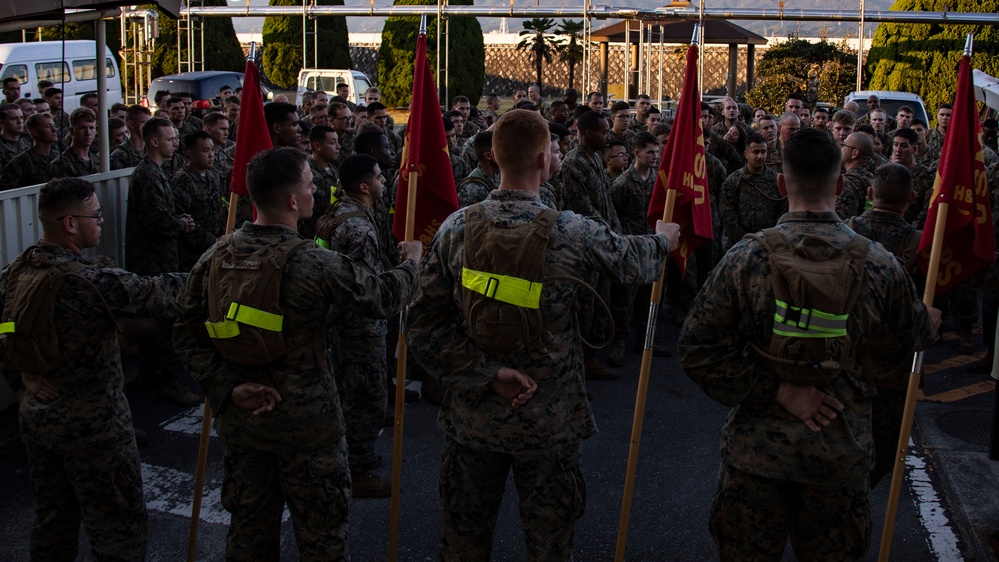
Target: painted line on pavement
<point>942,540</point>
<point>960,393</point>
<point>171,491</point>
<point>189,422</point>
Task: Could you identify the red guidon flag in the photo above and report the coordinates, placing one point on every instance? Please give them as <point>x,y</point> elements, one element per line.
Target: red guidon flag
<point>425,152</point>
<point>968,237</point>
<point>684,169</point>
<point>251,133</point>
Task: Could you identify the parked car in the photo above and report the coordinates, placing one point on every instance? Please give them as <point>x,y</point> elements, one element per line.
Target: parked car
<point>53,60</point>
<point>890,102</point>
<point>204,85</point>
<point>326,79</point>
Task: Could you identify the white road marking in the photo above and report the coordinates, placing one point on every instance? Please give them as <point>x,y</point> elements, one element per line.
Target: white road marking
<point>943,541</point>
<point>189,422</point>
<point>172,491</point>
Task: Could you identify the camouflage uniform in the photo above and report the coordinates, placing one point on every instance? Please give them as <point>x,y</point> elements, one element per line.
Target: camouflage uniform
<point>81,447</point>
<point>929,158</point>
<point>636,126</point>
<point>626,139</point>
<point>631,195</point>
<point>69,165</point>
<point>935,140</point>
<point>296,453</point>
<point>346,141</point>
<point>125,155</point>
<point>922,185</point>
<point>722,150</point>
<point>10,149</point>
<point>548,193</point>
<point>326,180</point>
<point>779,478</point>
<point>484,435</point>
<point>358,342</point>
<point>476,187</point>
<point>152,228</point>
<point>201,197</point>
<point>750,202</point>
<point>27,168</point>
<point>875,162</point>
<point>459,167</point>
<point>721,129</point>
<point>222,166</point>
<point>887,362</point>
<point>468,130</point>
<point>853,200</point>
<point>775,156</point>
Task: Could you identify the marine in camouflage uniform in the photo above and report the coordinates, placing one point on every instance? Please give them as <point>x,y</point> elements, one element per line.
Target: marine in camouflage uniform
<point>484,435</point>
<point>326,180</point>
<point>69,165</point>
<point>125,155</point>
<point>853,200</point>
<point>295,453</point>
<point>476,187</point>
<point>201,197</point>
<point>80,445</point>
<point>152,226</point>
<point>11,148</point>
<point>358,342</point>
<point>929,158</point>
<point>923,177</point>
<point>749,203</point>
<point>723,150</point>
<point>27,168</point>
<point>631,195</point>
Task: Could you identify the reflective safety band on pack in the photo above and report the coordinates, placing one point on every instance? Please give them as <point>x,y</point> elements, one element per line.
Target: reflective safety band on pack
<point>799,322</point>
<point>512,290</point>
<point>240,314</point>
<point>6,328</point>
<point>323,243</point>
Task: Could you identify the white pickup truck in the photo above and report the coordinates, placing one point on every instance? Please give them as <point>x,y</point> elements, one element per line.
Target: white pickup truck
<point>326,79</point>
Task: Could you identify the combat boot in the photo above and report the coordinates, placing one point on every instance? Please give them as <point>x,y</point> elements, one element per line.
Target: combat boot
<point>370,485</point>
<point>616,356</point>
<point>965,343</point>
<point>596,371</point>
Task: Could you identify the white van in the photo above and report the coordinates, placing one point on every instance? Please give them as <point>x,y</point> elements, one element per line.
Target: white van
<point>71,65</point>
<point>325,79</point>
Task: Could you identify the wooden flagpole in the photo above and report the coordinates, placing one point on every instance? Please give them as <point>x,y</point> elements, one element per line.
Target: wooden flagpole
<point>206,428</point>
<point>643,388</point>
<point>400,369</point>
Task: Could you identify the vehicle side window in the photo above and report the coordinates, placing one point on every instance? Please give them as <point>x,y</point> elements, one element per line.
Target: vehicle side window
<point>19,71</point>
<point>86,69</point>
<point>55,71</point>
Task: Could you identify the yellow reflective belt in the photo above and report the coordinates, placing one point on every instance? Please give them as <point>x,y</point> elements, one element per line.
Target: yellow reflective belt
<point>241,314</point>
<point>800,322</point>
<point>323,243</point>
<point>512,290</point>
<point>7,327</point>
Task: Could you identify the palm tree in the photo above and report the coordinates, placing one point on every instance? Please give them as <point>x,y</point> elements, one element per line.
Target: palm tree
<point>538,39</point>
<point>571,50</point>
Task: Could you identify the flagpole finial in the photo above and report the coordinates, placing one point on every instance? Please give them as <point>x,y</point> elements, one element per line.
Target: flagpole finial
<point>423,24</point>
<point>696,39</point>
<point>969,40</point>
<point>253,51</point>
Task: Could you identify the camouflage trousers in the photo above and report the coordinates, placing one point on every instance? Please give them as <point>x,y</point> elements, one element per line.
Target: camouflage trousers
<point>363,399</point>
<point>630,306</point>
<point>100,486</point>
<point>316,487</point>
<point>753,517</point>
<point>552,498</point>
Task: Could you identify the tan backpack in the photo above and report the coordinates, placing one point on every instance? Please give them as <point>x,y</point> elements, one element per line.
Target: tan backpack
<point>27,329</point>
<point>815,286</point>
<point>246,320</point>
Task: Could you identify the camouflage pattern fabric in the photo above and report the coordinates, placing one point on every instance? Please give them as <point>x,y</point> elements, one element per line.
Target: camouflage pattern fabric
<point>631,195</point>
<point>326,180</point>
<point>853,200</point>
<point>152,228</point>
<point>126,156</point>
<point>922,185</point>
<point>476,187</point>
<point>548,192</point>
<point>722,150</point>
<point>201,197</point>
<point>69,165</point>
<point>586,187</point>
<point>735,308</point>
<point>11,148</point>
<point>84,462</point>
<point>27,168</point>
<point>749,203</point>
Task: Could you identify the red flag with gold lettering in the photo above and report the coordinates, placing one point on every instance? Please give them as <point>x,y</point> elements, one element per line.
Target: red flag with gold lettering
<point>968,240</point>
<point>684,169</point>
<point>426,153</point>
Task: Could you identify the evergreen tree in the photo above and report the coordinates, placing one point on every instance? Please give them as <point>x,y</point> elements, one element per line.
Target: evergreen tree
<point>282,52</point>
<point>398,49</point>
<point>222,50</point>
<point>538,39</point>
<point>334,47</point>
<point>819,71</point>
<point>923,58</point>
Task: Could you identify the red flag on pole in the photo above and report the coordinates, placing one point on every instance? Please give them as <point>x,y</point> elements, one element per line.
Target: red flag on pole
<point>251,133</point>
<point>968,241</point>
<point>683,168</point>
<point>425,152</point>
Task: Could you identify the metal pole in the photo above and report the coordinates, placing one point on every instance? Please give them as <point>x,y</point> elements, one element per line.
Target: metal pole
<point>102,97</point>
<point>627,59</point>
<point>662,50</point>
<point>305,61</point>
<point>437,54</point>
<point>447,60</point>
<point>860,48</point>
<point>700,48</point>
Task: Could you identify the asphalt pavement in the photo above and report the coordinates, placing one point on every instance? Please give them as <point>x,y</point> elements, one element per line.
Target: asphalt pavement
<point>948,510</point>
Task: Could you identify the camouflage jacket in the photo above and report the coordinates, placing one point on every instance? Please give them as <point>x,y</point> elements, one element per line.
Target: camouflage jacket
<point>346,141</point>
<point>91,410</point>
<point>10,149</point>
<point>853,200</point>
<point>222,166</point>
<point>735,308</point>
<point>201,197</point>
<point>314,280</point>
<point>721,129</point>
<point>326,180</point>
<point>559,414</point>
<point>152,226</point>
<point>125,155</point>
<point>586,187</point>
<point>637,126</point>
<point>476,187</point>
<point>930,158</point>
<point>749,203</point>
<point>923,177</point>
<point>69,165</point>
<point>722,150</point>
<point>357,239</point>
<point>27,168</point>
<point>631,195</point>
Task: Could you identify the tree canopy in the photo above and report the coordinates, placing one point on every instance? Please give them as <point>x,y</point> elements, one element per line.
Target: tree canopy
<point>818,71</point>
<point>398,49</point>
<point>222,50</point>
<point>923,58</point>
